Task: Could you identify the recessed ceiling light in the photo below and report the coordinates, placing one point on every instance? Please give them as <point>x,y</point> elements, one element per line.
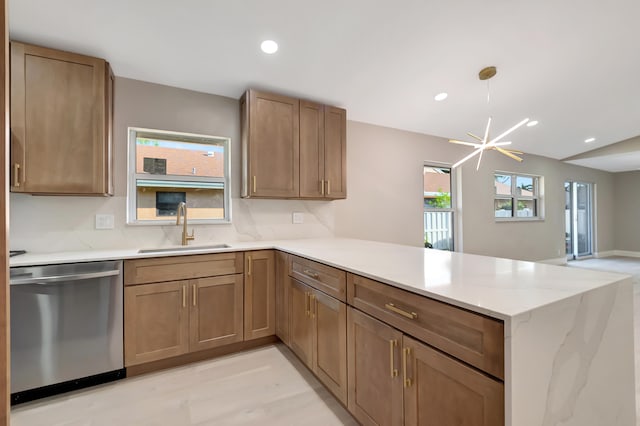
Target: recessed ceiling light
<point>440,96</point>
<point>269,46</point>
<point>532,123</point>
<point>589,140</point>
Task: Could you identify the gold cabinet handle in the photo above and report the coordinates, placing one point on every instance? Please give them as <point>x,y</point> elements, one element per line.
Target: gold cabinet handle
<point>249,265</point>
<point>195,295</point>
<point>255,184</point>
<point>322,187</point>
<point>184,296</point>
<point>328,187</point>
<point>393,308</point>
<point>16,174</point>
<point>313,302</point>
<point>405,355</point>
<point>311,274</point>
<point>306,304</point>
<point>392,344</point>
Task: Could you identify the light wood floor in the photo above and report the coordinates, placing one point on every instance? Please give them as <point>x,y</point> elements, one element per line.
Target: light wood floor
<point>266,386</point>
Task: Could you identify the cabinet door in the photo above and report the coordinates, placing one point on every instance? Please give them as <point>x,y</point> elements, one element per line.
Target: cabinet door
<point>259,294</point>
<point>58,122</point>
<point>311,150</point>
<point>282,296</point>
<point>335,152</point>
<point>330,343</point>
<point>216,311</point>
<point>375,387</point>
<point>156,322</point>
<point>440,391</point>
<point>273,145</point>
<point>301,331</point>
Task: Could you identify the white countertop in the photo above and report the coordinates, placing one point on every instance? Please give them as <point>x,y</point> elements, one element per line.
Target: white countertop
<point>500,288</point>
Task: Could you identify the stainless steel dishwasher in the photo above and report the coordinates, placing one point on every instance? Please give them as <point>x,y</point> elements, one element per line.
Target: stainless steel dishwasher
<point>66,327</point>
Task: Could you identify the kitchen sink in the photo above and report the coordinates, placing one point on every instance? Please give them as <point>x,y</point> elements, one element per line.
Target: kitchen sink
<point>184,248</point>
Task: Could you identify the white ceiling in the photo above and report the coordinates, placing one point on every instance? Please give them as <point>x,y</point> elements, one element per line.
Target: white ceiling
<point>612,163</point>
<point>573,65</point>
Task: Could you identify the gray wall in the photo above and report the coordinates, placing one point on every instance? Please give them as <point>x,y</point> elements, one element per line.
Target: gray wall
<point>385,195</point>
<point>385,190</point>
<point>627,211</point>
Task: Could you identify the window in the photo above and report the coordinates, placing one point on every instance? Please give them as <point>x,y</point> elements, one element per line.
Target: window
<point>517,196</point>
<point>438,208</point>
<point>167,168</point>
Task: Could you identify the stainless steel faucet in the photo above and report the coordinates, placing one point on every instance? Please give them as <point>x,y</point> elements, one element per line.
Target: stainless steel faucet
<point>182,210</point>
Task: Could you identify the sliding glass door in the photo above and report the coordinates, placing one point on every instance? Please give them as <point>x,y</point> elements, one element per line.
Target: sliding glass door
<point>578,219</point>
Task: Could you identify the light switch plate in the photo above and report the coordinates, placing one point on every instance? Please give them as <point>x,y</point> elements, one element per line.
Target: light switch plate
<point>104,221</point>
<point>298,217</point>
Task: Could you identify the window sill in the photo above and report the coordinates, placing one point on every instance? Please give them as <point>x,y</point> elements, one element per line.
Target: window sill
<point>519,219</point>
<point>173,222</point>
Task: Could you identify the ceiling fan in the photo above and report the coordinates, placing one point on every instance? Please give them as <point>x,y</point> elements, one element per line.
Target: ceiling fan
<point>486,142</point>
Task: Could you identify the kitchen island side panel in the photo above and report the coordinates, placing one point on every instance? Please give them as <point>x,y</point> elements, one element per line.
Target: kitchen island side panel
<point>571,363</point>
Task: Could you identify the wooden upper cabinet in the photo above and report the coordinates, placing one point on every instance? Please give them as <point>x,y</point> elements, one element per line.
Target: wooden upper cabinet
<point>270,142</point>
<point>292,148</point>
<point>335,152</point>
<point>61,122</point>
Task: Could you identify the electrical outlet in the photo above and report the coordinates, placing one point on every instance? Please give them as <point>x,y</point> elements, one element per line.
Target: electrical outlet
<point>298,217</point>
<point>104,221</point>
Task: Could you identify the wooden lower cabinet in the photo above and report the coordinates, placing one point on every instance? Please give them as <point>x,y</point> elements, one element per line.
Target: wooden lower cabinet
<point>259,294</point>
<point>156,322</point>
<point>395,380</point>
<point>168,319</point>
<point>282,296</point>
<point>215,317</point>
<point>375,385</point>
<point>301,332</point>
<point>318,335</point>
<point>440,391</point>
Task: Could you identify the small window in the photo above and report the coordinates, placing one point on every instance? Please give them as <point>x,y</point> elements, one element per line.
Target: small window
<point>517,196</point>
<point>167,168</point>
<point>438,207</point>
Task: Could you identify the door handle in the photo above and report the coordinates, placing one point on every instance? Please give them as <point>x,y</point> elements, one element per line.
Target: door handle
<point>184,296</point>
<point>313,302</point>
<point>195,294</point>
<point>306,304</point>
<point>249,266</point>
<point>64,278</point>
<point>322,187</point>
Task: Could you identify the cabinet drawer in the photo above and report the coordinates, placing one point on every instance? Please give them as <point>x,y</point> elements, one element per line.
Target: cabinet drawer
<point>141,271</point>
<point>329,280</point>
<point>470,337</point>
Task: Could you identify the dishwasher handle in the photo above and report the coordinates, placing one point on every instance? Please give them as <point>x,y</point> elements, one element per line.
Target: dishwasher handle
<point>62,278</point>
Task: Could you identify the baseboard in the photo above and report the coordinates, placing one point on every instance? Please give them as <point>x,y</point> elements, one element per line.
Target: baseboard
<point>626,253</point>
<point>556,261</point>
<point>607,253</point>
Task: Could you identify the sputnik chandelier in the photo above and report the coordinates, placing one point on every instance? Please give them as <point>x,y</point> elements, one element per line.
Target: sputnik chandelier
<point>487,143</point>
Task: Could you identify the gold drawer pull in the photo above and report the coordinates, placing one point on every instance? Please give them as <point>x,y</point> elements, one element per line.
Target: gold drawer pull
<point>405,354</point>
<point>392,344</point>
<point>393,308</point>
<point>311,274</point>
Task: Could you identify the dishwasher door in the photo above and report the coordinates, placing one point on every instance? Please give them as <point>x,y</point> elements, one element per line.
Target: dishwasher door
<point>66,322</point>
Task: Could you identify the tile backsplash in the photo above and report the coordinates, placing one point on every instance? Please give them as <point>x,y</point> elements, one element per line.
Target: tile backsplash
<point>51,224</point>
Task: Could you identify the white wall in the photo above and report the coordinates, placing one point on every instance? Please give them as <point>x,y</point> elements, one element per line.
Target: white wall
<point>627,211</point>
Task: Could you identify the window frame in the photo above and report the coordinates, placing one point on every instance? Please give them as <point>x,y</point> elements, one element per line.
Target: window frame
<point>537,197</point>
<point>132,176</point>
<point>452,207</point>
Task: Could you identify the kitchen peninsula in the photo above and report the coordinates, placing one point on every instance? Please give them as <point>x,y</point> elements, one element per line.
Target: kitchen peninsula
<point>565,353</point>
